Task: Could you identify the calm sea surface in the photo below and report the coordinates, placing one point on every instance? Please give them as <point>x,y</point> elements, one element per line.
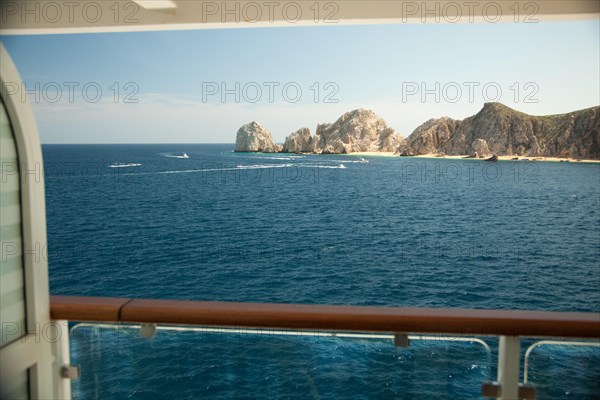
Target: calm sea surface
<point>140,221</point>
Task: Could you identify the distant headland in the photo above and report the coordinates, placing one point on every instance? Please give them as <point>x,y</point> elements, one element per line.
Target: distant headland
<point>495,132</point>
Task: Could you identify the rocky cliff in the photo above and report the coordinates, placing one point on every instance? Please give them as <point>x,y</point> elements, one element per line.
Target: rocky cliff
<point>430,137</point>
<point>355,131</point>
<point>496,129</point>
<point>298,142</point>
<point>254,137</point>
<point>500,130</point>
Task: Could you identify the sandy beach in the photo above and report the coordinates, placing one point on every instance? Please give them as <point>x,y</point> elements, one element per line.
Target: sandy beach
<point>464,157</point>
<point>510,158</point>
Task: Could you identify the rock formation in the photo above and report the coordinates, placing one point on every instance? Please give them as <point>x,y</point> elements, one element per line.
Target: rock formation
<point>298,142</point>
<point>254,137</point>
<point>430,137</point>
<point>494,130</point>
<point>355,131</point>
<point>500,130</point>
<point>480,147</point>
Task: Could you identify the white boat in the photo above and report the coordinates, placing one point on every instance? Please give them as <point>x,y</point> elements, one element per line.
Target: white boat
<point>342,166</point>
<point>362,160</point>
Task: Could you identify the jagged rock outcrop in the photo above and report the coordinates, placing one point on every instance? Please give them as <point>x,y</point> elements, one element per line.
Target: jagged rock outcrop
<point>355,131</point>
<point>254,137</point>
<point>505,131</point>
<point>430,137</point>
<point>298,142</point>
<point>494,130</point>
<point>479,147</point>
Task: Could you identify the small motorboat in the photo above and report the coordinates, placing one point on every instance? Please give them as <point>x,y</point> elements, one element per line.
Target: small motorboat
<point>184,155</point>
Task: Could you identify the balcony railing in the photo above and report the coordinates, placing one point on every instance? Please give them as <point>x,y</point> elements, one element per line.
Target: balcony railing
<point>346,321</point>
<point>330,318</point>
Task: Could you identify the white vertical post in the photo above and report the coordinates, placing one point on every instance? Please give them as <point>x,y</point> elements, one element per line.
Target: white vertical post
<point>509,362</point>
<point>62,357</point>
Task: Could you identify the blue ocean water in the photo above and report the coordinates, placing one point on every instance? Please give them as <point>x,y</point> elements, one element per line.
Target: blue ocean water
<point>141,221</point>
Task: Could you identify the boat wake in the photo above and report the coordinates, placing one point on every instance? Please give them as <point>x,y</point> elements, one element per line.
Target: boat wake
<point>274,158</point>
<point>347,161</point>
<point>124,165</point>
<point>171,155</point>
<point>261,166</point>
<point>239,167</point>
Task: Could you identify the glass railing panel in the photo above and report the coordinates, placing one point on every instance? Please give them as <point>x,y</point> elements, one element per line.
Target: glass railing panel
<point>189,363</point>
<point>562,369</point>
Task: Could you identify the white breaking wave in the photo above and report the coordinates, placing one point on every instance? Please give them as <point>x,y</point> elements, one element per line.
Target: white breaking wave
<point>124,165</point>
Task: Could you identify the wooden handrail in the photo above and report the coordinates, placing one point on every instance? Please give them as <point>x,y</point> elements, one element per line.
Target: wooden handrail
<point>328,318</point>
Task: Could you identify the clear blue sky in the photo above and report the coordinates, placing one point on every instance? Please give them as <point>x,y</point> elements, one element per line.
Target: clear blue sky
<point>370,66</point>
